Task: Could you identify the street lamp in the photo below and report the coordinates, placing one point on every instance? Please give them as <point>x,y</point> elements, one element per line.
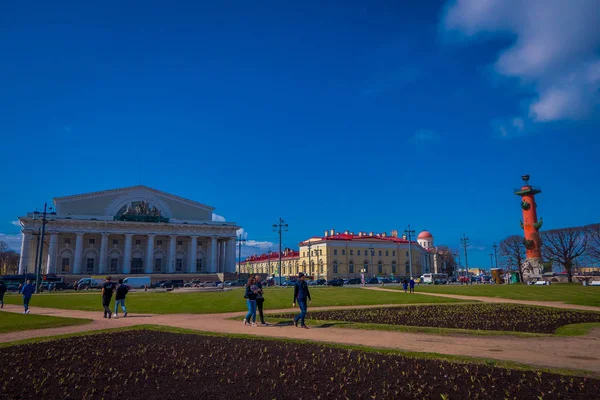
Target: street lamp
<point>409,233</point>
<point>280,227</point>
<point>465,242</point>
<point>45,217</point>
<point>496,254</point>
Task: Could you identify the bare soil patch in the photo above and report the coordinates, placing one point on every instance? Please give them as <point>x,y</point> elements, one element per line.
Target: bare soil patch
<point>495,317</point>
<point>158,365</point>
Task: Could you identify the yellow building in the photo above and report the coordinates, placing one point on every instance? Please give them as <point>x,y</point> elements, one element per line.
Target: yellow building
<point>346,255</point>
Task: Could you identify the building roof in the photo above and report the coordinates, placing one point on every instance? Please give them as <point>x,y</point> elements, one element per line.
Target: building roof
<point>273,256</point>
<point>425,235</point>
<point>360,237</point>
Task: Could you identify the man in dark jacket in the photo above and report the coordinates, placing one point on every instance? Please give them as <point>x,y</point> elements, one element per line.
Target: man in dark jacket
<point>27,291</point>
<point>120,295</point>
<point>107,291</point>
<point>301,295</point>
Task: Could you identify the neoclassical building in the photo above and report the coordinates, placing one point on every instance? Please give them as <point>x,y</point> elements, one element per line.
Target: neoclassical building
<point>135,230</point>
<point>345,254</point>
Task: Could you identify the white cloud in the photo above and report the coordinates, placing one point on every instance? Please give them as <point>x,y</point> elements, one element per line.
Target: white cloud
<point>555,51</point>
<point>13,241</point>
<point>511,127</point>
<point>425,136</point>
<point>218,218</point>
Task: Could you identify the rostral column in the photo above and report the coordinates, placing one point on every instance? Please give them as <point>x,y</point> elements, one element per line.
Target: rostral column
<point>532,267</point>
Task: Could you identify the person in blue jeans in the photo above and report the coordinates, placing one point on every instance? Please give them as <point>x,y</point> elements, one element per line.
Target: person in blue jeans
<point>27,291</point>
<point>250,296</point>
<point>412,285</point>
<point>301,295</point>
<point>120,295</point>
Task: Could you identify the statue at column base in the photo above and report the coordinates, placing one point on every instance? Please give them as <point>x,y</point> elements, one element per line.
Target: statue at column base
<point>533,269</point>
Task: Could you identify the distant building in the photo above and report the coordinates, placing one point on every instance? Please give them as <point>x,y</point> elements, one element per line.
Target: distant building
<point>133,230</point>
<point>268,263</point>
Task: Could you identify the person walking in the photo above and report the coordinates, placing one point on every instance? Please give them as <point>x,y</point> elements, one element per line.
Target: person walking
<point>120,295</point>
<point>250,296</point>
<point>27,291</point>
<point>301,295</point>
<point>412,284</point>
<point>404,285</point>
<point>260,301</point>
<point>2,292</point>
<point>107,291</point>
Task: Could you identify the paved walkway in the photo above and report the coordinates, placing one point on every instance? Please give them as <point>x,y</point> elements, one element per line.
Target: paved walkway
<point>554,352</point>
<point>556,304</point>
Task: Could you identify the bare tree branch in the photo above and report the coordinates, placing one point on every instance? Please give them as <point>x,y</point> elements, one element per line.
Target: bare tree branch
<point>513,252</point>
<point>564,246</point>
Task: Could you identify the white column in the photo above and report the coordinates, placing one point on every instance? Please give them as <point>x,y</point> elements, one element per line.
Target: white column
<point>127,257</point>
<point>103,253</point>
<point>77,267</point>
<point>222,253</point>
<point>193,251</point>
<point>230,267</point>
<point>24,259</point>
<point>172,252</point>
<point>212,255</point>
<point>52,247</point>
<point>149,263</point>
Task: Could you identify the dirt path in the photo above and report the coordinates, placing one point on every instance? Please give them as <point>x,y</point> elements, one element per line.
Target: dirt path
<point>556,304</point>
<point>570,353</point>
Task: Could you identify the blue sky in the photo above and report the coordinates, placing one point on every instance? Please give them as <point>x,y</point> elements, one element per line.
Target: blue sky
<point>363,116</point>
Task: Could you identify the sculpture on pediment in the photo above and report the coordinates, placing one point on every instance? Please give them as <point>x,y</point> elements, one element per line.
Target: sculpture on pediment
<point>141,212</point>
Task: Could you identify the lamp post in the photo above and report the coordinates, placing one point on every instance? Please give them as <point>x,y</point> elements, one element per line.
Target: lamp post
<point>280,227</point>
<point>37,252</point>
<point>371,250</point>
<point>45,217</point>
<point>269,262</point>
<point>409,233</point>
<point>465,242</point>
<point>491,260</point>
<point>495,254</point>
<point>309,264</point>
<point>240,240</point>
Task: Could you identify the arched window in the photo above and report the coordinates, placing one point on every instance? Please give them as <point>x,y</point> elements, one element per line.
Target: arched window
<point>380,267</point>
<point>351,267</point>
<point>321,266</point>
<point>312,268</point>
<point>335,267</point>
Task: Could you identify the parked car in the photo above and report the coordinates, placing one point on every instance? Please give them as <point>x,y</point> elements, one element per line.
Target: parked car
<point>321,281</point>
<point>372,281</point>
<point>335,282</point>
<point>175,283</point>
<point>352,281</point>
<point>311,283</point>
<point>384,280</point>
<point>157,284</point>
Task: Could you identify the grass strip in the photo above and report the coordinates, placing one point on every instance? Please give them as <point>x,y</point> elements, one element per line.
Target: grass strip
<point>13,322</point>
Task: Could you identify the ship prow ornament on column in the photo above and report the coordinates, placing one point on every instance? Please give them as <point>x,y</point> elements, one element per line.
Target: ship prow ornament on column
<point>533,264</point>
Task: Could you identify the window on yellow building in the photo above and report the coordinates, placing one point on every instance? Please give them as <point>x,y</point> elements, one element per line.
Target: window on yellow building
<point>394,253</point>
<point>351,252</point>
<point>366,266</point>
<point>335,252</point>
<point>379,253</point>
<point>387,253</point>
<point>343,252</point>
<point>358,252</point>
<point>351,267</point>
<point>380,267</point>
<point>393,267</point>
<point>335,267</point>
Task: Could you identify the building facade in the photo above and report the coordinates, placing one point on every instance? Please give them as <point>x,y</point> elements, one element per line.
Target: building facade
<point>344,255</point>
<point>134,230</point>
<point>269,263</point>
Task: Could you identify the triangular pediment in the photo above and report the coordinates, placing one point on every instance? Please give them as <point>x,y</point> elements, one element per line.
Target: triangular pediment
<point>113,202</point>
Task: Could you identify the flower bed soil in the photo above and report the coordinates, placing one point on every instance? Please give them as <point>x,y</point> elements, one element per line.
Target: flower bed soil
<point>159,365</point>
<point>495,317</point>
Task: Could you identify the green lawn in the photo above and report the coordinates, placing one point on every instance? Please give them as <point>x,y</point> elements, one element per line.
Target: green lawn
<point>568,293</point>
<point>10,322</point>
<point>216,302</point>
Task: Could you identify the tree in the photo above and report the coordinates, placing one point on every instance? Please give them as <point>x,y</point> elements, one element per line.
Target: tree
<point>563,246</point>
<point>446,258</point>
<point>9,260</point>
<point>512,250</point>
<point>593,248</point>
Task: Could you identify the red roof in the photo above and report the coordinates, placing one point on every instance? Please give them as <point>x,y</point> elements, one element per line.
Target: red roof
<point>348,237</point>
<point>273,257</point>
<point>425,235</point>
